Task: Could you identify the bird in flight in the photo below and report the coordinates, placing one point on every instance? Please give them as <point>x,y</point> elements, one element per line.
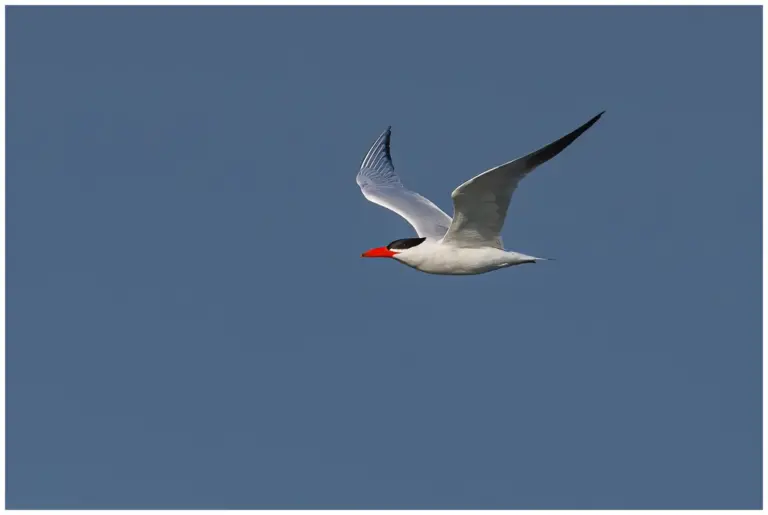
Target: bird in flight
<point>470,243</point>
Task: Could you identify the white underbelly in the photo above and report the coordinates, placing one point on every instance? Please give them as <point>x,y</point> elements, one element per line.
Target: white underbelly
<point>463,261</point>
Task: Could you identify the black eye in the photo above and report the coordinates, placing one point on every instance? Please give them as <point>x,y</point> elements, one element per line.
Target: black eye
<point>406,243</point>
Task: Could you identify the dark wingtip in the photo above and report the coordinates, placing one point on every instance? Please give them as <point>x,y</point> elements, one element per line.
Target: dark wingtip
<point>591,122</point>
<point>594,119</point>
<point>388,143</point>
<point>546,153</point>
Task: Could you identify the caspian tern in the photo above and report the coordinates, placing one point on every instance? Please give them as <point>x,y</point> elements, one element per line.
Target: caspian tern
<point>470,243</point>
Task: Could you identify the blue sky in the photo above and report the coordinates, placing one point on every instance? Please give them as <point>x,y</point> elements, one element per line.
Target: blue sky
<point>190,324</point>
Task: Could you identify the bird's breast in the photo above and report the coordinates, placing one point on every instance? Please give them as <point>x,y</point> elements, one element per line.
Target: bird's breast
<point>449,260</point>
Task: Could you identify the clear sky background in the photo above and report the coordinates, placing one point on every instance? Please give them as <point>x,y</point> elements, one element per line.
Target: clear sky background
<point>190,324</point>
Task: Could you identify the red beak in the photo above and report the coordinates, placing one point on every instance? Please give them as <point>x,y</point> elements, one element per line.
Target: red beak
<point>378,252</point>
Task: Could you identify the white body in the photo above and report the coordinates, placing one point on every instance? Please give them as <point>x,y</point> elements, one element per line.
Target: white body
<point>468,243</point>
<point>436,257</point>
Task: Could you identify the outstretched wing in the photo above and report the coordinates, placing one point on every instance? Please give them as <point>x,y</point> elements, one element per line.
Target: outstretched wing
<point>381,185</point>
<point>480,204</point>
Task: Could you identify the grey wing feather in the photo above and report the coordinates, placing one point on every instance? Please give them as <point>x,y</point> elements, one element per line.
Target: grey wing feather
<point>377,167</point>
<point>480,204</point>
<point>380,184</point>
